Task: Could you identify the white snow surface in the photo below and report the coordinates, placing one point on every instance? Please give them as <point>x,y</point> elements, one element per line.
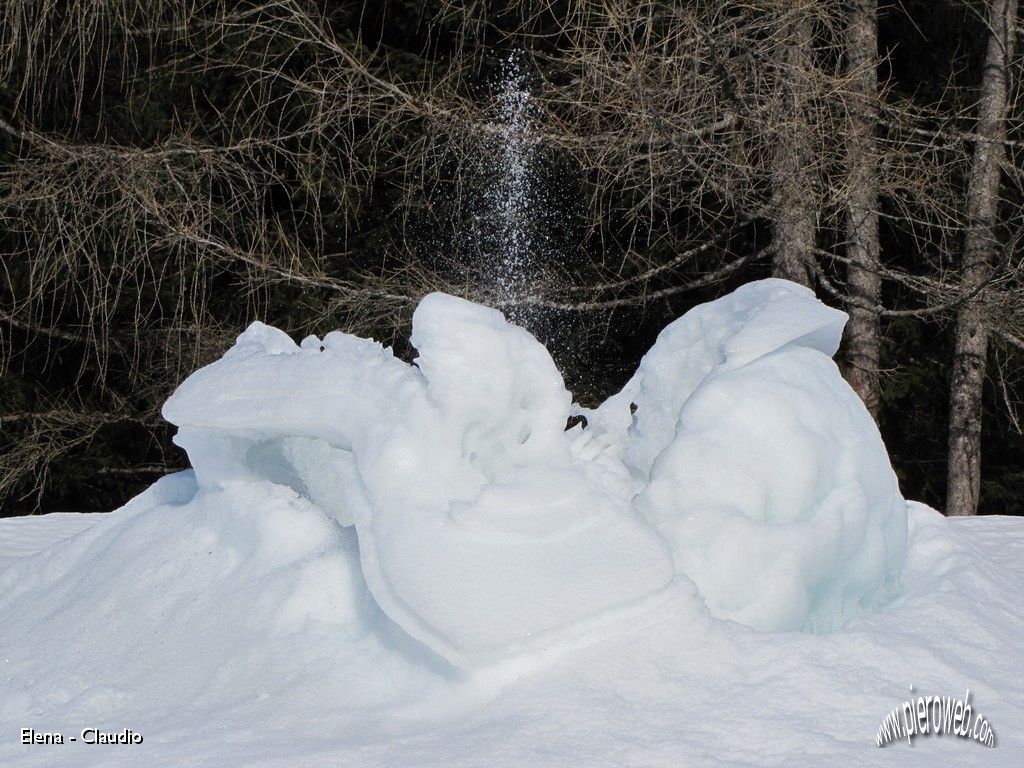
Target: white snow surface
<point>376,563</point>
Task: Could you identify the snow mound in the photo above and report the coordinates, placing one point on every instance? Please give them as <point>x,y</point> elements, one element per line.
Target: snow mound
<point>443,507</point>
<point>377,563</point>
<point>762,467</point>
<point>485,528</point>
<point>480,531</point>
<point>182,579</point>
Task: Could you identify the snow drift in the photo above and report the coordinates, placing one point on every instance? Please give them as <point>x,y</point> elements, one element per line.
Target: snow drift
<point>377,563</point>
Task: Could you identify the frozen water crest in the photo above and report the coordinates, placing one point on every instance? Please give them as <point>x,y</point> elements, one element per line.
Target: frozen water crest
<point>377,563</point>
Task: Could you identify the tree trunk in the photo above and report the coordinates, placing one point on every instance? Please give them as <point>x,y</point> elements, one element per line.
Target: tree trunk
<point>793,212</point>
<point>863,332</point>
<point>980,247</point>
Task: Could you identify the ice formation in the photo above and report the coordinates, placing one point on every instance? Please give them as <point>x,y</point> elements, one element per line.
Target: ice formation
<point>761,466</point>
<point>736,457</point>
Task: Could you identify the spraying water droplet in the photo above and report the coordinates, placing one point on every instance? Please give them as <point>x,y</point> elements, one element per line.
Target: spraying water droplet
<point>510,241</point>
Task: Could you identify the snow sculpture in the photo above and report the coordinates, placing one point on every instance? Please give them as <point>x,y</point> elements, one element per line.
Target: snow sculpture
<point>485,529</point>
<point>761,466</point>
<point>480,532</point>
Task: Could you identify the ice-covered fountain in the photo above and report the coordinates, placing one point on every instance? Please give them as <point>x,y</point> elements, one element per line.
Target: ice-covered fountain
<point>373,562</point>
<point>736,457</point>
<point>446,499</point>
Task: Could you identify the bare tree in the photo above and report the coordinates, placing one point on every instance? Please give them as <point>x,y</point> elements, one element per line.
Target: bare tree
<point>134,257</point>
<point>794,153</point>
<point>980,261</point>
<point>864,279</point>
<point>288,136</point>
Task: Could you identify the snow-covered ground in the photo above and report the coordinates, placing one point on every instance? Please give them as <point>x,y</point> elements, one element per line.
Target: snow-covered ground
<point>381,564</point>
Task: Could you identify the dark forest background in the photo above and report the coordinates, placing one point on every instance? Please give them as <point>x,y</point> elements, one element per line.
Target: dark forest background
<point>171,171</point>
